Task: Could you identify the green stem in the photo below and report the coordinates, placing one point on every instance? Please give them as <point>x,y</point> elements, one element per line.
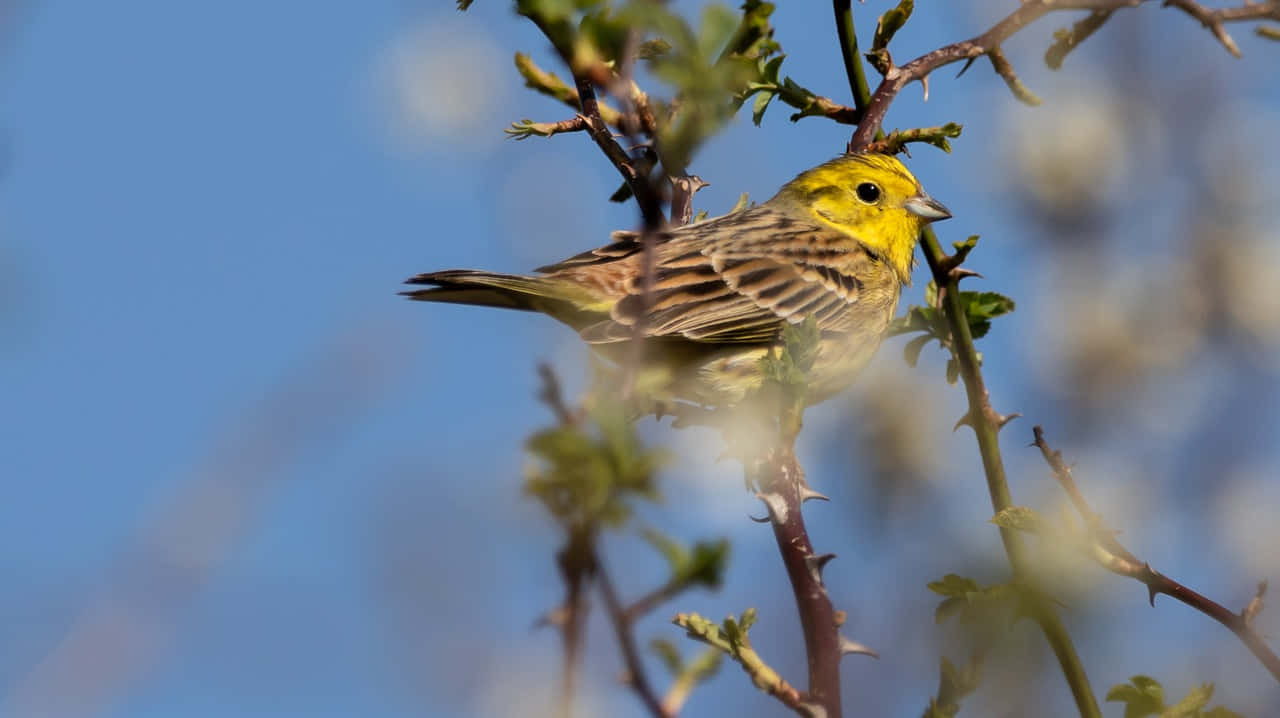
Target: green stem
<point>986,427</point>
<point>849,52</point>
<point>980,413</point>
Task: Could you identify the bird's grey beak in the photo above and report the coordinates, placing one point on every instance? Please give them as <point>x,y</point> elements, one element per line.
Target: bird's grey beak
<point>926,208</point>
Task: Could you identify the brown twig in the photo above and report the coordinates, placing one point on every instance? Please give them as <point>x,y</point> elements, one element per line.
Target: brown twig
<point>683,188</point>
<point>781,487</point>
<point>576,566</point>
<point>650,203</point>
<point>897,141</point>
<point>1215,20</point>
<point>1124,563</point>
<point>898,77</point>
<point>636,676</point>
<point>525,129</point>
<point>553,397</point>
<point>1068,39</point>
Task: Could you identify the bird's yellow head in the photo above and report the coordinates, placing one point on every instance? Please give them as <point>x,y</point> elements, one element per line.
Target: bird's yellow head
<point>872,198</point>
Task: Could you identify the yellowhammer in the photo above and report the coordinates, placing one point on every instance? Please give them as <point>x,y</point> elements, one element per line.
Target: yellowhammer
<point>836,243</point>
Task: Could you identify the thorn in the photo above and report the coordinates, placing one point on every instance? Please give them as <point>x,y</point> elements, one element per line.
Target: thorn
<point>1007,418</point>
<point>960,273</point>
<point>807,493</point>
<point>777,506</point>
<point>1151,595</point>
<point>924,82</point>
<point>1255,604</point>
<point>966,420</point>
<point>557,617</point>
<point>817,562</point>
<point>848,646</point>
<point>968,63</point>
<point>813,710</point>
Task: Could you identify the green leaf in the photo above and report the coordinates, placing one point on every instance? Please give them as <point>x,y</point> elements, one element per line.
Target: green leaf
<point>953,685</point>
<point>743,202</point>
<point>1142,696</point>
<point>962,249</point>
<point>1190,705</point>
<point>982,307</point>
<point>954,585</point>
<point>949,608</point>
<point>587,476</point>
<point>703,565</point>
<point>789,367</point>
<point>1019,518</point>
<point>668,654</point>
<point>972,603</point>
<point>652,49</point>
<point>760,105</point>
<point>889,24</point>
<point>911,352</point>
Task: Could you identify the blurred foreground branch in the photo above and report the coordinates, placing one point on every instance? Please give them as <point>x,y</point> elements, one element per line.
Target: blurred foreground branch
<point>1116,558</point>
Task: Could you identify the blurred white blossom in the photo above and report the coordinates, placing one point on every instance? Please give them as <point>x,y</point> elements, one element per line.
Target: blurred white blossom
<point>438,79</point>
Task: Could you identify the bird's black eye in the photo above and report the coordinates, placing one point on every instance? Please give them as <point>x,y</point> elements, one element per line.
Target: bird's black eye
<point>867,192</point>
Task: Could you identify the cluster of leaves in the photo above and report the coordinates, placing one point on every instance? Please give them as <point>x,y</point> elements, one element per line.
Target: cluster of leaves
<point>703,565</point>
<point>686,674</point>
<point>973,603</point>
<point>931,323</point>
<point>1143,696</point>
<point>887,26</point>
<point>585,477</point>
<point>789,365</point>
<point>730,637</point>
<point>786,376</point>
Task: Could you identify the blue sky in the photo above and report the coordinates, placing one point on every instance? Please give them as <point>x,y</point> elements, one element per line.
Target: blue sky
<point>243,476</point>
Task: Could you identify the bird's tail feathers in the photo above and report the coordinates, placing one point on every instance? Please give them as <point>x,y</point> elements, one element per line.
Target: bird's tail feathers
<point>486,289</point>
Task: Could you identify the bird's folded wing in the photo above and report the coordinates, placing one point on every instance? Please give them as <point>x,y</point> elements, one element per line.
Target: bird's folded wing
<point>716,299</point>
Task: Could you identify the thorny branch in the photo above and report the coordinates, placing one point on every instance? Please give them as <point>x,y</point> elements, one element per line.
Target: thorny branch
<point>985,421</point>
<point>988,43</point>
<point>782,490</point>
<point>1116,558</point>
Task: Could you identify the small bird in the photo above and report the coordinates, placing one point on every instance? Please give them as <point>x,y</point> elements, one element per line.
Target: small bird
<point>836,243</point>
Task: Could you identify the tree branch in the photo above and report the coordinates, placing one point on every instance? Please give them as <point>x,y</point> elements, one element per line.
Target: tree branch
<point>986,423</point>
<point>984,420</point>
<point>849,53</point>
<point>560,33</point>
<point>1067,39</point>
<point>988,43</point>
<point>1214,20</point>
<point>636,676</point>
<point>780,481</point>
<point>1117,559</point>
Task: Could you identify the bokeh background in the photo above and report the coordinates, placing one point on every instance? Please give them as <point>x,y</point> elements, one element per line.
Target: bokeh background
<point>242,477</point>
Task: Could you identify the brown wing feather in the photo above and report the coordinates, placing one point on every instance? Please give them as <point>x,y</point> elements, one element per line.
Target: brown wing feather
<point>735,279</point>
